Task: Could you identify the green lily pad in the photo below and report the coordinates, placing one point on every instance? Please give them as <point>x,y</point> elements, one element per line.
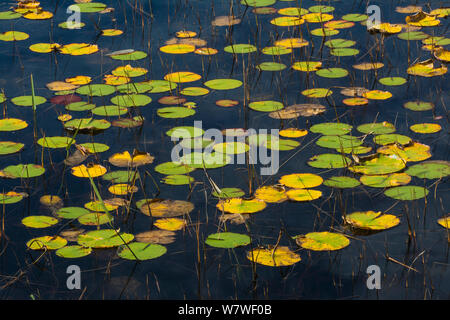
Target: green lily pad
<point>413,35</point>
<point>170,168</point>
<point>95,219</point>
<point>344,52</point>
<point>341,182</point>
<point>376,128</point>
<point>223,84</point>
<point>121,176</point>
<point>355,17</point>
<point>378,164</point>
<point>132,56</point>
<point>271,66</point>
<point>258,3</point>
<point>89,7</point>
<point>370,220</point>
<point>177,179</point>
<point>71,212</point>
<point>27,101</point>
<point>10,197</point>
<point>175,112</point>
<point>419,105</point>
<point>87,124</point>
<point>8,147</point>
<point>339,43</point>
<point>240,48</point>
<point>46,242</point>
<point>322,241</point>
<point>96,90</point>
<point>208,160</point>
<point>79,106</point>
<point>406,192</point>
<point>185,132</point>
<point>329,161</point>
<point>266,106</point>
<point>95,147</point>
<point>337,142</point>
<point>131,100</point>
<point>23,171</point>
<point>332,73</point>
<point>105,238</point>
<point>392,81</point>
<point>109,111</point>
<point>385,139</point>
<point>227,193</point>
<point>73,251</point>
<point>331,128</point>
<point>12,124</point>
<point>8,15</point>
<point>56,142</point>
<point>39,221</point>
<point>430,169</point>
<point>141,251</point>
<point>227,240</point>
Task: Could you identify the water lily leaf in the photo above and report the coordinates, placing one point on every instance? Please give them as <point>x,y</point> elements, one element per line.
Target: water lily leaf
<point>344,52</point>
<point>430,169</point>
<point>406,192</point>
<point>156,236</point>
<point>8,147</point>
<point>95,147</point>
<point>355,101</point>
<point>240,48</point>
<point>231,147</point>
<point>141,251</point>
<point>368,66</point>
<point>317,17</point>
<point>87,125</point>
<point>226,193</point>
<point>412,152</point>
<point>166,208</point>
<point>301,180</point>
<point>71,212</point>
<point>303,194</point>
<point>291,42</point>
<point>341,182</point>
<point>128,71</point>
<point>425,128</point>
<point>105,238</point>
<point>307,66</point>
<point>121,176</point>
<point>111,32</point>
<point>109,111</point>
<point>322,241</point>
<point>56,142</point>
<point>95,219</point>
<point>223,84</point>
<point>392,81</point>
<point>298,110</point>
<point>413,35</point>
<point>385,139</point>
<point>445,222</point>
<point>171,168</point>
<point>96,90</point>
<point>27,101</point>
<point>177,48</point>
<point>73,251</point>
<point>175,112</point>
<point>22,171</point>
<point>279,256</point>
<point>324,32</point>
<point>79,106</point>
<point>10,197</point>
<point>385,180</point>
<point>98,206</point>
<point>426,69</point>
<point>136,121</point>
<point>131,56</point>
<point>271,194</point>
<point>418,105</point>
<point>378,164</point>
<point>371,220</point>
<point>377,95</point>
<point>44,47</point>
<point>170,224</point>
<point>293,133</point>
<point>339,24</point>
<point>287,21</point>
<point>177,179</point>
<point>122,189</point>
<point>78,49</point>
<point>238,205</point>
<point>8,15</point>
<point>332,73</point>
<point>205,160</point>
<point>88,7</point>
<point>331,128</point>
<point>12,124</point>
<point>376,128</point>
<point>227,240</point>
<point>271,66</point>
<point>317,92</point>
<point>339,43</point>
<point>124,159</point>
<point>47,243</point>
<point>337,142</point>
<point>329,161</point>
<point>258,3</point>
<point>13,36</point>
<point>92,170</point>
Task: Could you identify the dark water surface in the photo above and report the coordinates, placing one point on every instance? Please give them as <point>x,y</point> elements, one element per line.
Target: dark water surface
<point>223,273</point>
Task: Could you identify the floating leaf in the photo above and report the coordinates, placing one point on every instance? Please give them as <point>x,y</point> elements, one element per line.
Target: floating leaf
<point>303,194</point>
<point>430,169</point>
<point>425,128</point>
<point>332,73</point>
<point>378,164</point>
<point>71,212</point>
<point>271,194</point>
<point>301,180</point>
<point>95,219</point>
<point>8,147</point>
<point>182,77</point>
<point>105,238</point>
<point>13,36</point>
<point>227,240</point>
<point>406,192</point>
<point>88,7</point>
<point>337,142</point>
<point>226,193</point>
<point>331,128</point>
<point>392,81</point>
<point>12,124</point>
<point>175,112</point>
<point>124,159</point>
<point>27,101</point>
<point>46,243</point>
<point>177,179</point>
<point>170,224</point>
<point>87,125</point>
<point>376,128</point>
<point>141,251</point>
<point>56,142</point>
<point>412,152</point>
<point>293,133</point>
<point>73,251</point>
<point>329,161</point>
<point>238,205</point>
<point>94,170</point>
<point>341,182</point>
<point>298,110</point>
<point>419,105</point>
<point>371,220</point>
<point>279,256</point>
<point>22,171</point>
<point>385,139</point>
<point>384,180</point>
<point>322,241</point>
<point>166,208</point>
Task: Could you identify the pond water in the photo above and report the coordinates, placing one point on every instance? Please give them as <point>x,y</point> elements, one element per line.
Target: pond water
<point>412,256</point>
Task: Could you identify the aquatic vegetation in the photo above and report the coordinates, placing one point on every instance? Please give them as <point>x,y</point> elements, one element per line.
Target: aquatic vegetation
<point>141,129</point>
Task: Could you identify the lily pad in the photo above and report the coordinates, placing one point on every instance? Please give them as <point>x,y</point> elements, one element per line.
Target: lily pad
<point>141,251</point>
<point>104,238</point>
<point>406,192</point>
<point>322,241</point>
<point>227,240</point>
